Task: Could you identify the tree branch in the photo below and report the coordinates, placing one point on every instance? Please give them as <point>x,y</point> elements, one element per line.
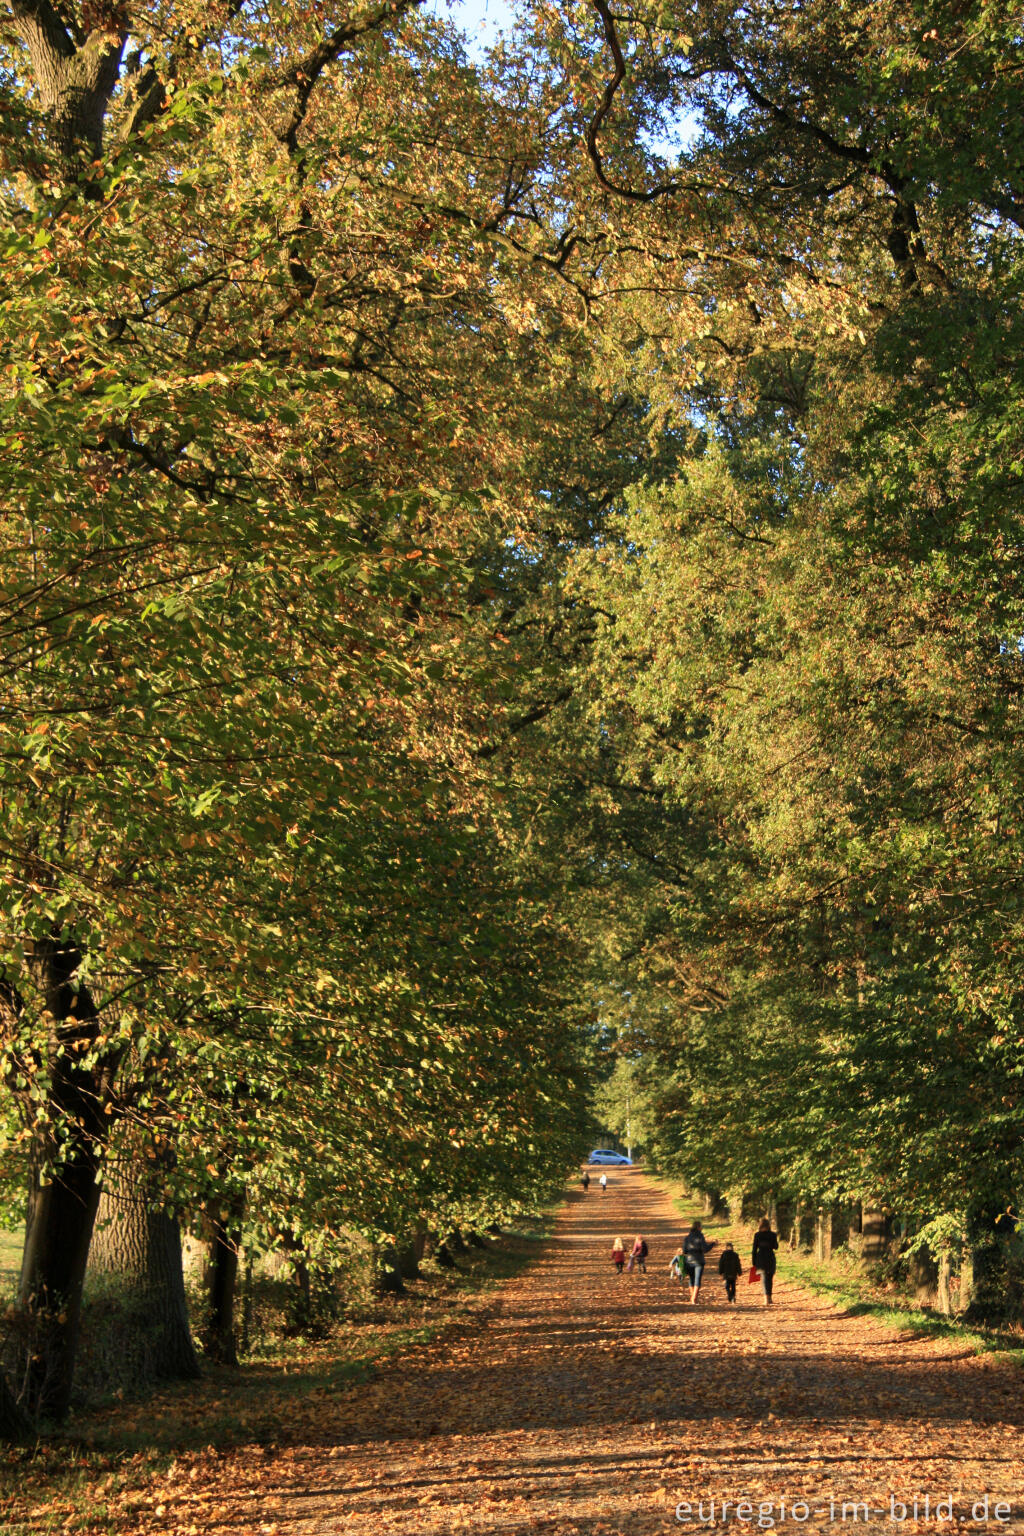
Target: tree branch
<point>305,74</point>
<point>612,38</point>
<point>538,712</point>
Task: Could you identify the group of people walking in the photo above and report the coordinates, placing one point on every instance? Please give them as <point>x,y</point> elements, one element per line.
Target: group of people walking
<point>691,1258</point>
<point>637,1255</point>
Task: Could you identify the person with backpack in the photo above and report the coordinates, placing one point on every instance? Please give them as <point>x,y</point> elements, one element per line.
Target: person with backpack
<point>729,1267</point>
<point>638,1255</point>
<point>763,1257</point>
<point>695,1250</point>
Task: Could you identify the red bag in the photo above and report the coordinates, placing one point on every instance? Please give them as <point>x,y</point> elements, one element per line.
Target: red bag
<point>753,1277</point>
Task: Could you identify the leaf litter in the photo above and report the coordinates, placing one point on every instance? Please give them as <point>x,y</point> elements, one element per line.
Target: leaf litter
<point>579,1403</point>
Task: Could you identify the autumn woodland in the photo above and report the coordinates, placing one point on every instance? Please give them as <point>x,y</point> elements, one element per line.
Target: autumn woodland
<point>511,639</point>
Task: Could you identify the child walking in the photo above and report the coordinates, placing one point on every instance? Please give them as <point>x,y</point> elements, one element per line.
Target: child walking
<point>638,1255</point>
<point>618,1255</point>
<point>730,1267</point>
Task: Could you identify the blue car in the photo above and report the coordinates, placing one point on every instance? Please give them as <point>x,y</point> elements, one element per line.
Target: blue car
<point>610,1159</point>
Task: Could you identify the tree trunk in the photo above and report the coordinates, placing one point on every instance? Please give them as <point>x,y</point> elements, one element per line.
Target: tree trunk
<point>220,1276</point>
<point>75,79</point>
<point>823,1236</point>
<point>15,1424</point>
<point>873,1242</point>
<point>408,1265</point>
<point>942,1293</point>
<point>141,1245</point>
<point>52,1276</point>
<point>300,1312</point>
<point>388,1273</point>
<point>855,1228</point>
<point>247,1305</point>
<point>62,1210</point>
<point>966,1295</point>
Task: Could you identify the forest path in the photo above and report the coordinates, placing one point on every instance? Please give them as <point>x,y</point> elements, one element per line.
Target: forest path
<point>587,1403</point>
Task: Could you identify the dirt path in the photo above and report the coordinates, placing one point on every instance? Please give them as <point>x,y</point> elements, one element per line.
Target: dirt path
<point>591,1404</point>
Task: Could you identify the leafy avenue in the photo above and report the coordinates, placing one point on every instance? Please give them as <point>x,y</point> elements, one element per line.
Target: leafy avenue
<point>485,596</point>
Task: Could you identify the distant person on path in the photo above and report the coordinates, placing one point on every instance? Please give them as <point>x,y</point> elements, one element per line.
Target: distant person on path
<point>585,1181</point>
<point>763,1257</point>
<point>675,1267</point>
<point>618,1255</point>
<point>695,1250</point>
<point>729,1267</point>
<point>638,1255</point>
<point>603,1181</point>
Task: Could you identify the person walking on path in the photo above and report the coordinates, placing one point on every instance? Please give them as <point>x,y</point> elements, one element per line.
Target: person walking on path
<point>618,1255</point>
<point>763,1256</point>
<point>695,1250</point>
<point>603,1181</point>
<point>729,1267</point>
<point>676,1264</point>
<point>638,1255</point>
<point>585,1181</point>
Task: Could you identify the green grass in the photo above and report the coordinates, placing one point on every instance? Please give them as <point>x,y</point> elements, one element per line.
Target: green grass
<point>852,1289</point>
<point>10,1262</point>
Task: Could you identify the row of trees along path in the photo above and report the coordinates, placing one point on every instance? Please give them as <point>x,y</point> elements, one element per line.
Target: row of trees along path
<point>580,1402</point>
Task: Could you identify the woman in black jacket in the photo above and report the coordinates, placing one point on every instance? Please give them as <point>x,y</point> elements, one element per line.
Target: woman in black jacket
<point>763,1257</point>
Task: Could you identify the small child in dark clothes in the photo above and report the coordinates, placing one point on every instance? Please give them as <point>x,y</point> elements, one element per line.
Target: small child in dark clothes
<point>729,1267</point>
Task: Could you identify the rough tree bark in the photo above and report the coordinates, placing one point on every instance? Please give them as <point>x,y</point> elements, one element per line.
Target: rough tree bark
<point>823,1235</point>
<point>65,1193</point>
<point>873,1239</point>
<point>408,1261</point>
<point>75,70</point>
<point>141,1245</point>
<point>966,1295</point>
<point>221,1232</point>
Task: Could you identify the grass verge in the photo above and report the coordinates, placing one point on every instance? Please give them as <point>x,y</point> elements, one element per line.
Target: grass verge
<point>851,1289</point>
<point>95,1476</point>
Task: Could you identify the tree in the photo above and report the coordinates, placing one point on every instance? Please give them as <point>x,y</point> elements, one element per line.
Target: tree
<point>256,575</point>
<point>804,688</point>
